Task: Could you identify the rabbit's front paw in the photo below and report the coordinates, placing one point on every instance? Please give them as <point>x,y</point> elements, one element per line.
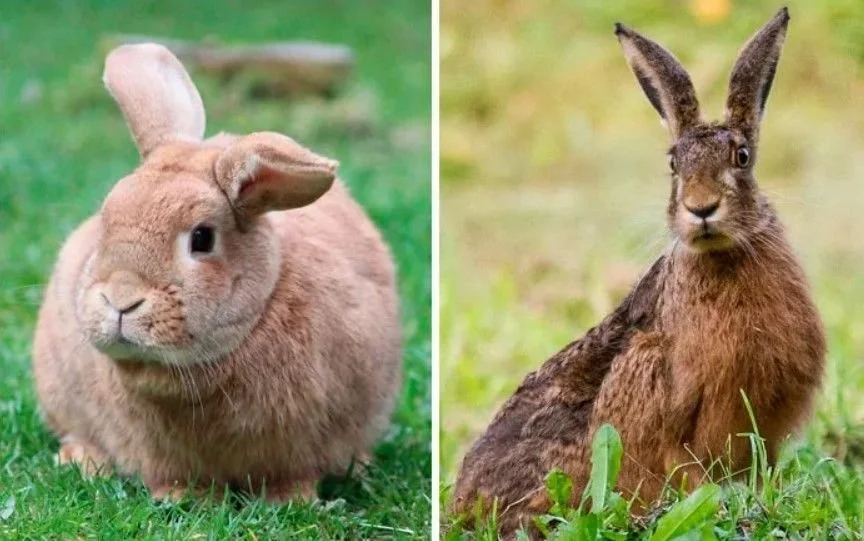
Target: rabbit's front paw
<point>90,459</point>
<point>175,492</point>
<point>292,491</point>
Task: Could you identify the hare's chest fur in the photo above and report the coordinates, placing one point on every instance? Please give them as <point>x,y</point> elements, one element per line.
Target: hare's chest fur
<point>736,329</point>
<point>720,329</point>
<point>735,325</point>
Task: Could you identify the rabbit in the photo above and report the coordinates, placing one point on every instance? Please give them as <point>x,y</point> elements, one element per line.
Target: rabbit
<point>228,319</point>
<point>726,308</point>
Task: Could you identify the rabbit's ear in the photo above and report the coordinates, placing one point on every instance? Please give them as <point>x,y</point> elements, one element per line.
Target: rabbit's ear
<point>157,97</point>
<point>663,79</point>
<point>753,74</point>
<point>267,171</point>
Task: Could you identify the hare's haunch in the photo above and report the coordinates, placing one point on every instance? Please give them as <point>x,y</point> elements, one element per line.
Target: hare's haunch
<point>228,317</point>
<point>725,309</point>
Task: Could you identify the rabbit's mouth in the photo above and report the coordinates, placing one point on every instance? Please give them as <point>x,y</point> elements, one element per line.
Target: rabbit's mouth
<point>191,385</point>
<point>120,349</point>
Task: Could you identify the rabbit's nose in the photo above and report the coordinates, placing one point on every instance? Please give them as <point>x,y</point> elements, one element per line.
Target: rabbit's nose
<point>124,292</point>
<point>704,211</point>
<point>123,306</point>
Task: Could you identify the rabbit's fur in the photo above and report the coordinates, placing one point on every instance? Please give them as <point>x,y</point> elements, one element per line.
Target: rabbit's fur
<point>264,364</point>
<point>725,309</point>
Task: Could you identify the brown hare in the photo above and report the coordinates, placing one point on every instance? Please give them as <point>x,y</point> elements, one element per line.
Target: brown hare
<point>725,309</point>
<point>229,317</point>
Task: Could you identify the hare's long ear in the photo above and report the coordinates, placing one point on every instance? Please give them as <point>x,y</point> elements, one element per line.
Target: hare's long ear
<point>753,74</point>
<point>663,79</point>
<point>267,171</point>
<point>155,94</point>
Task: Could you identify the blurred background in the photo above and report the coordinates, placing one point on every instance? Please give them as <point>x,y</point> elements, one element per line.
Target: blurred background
<point>555,182</point>
<point>63,144</point>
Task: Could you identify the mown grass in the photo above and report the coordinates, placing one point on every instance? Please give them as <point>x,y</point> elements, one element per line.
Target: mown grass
<point>63,144</point>
<point>553,196</point>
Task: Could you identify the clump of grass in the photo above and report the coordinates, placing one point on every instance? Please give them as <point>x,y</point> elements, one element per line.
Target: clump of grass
<point>770,503</point>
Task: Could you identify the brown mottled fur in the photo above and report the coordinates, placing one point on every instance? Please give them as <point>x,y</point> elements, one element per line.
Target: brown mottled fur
<point>271,361</point>
<point>725,309</point>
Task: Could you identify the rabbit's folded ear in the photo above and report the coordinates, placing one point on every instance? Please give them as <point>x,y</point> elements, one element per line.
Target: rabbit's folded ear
<point>753,74</point>
<point>663,79</point>
<point>155,94</point>
<point>268,171</point>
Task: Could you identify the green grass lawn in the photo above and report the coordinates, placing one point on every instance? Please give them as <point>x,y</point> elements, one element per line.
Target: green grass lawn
<point>554,188</point>
<point>62,146</point>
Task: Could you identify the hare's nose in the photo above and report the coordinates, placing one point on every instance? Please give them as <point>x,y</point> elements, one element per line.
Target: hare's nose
<point>704,211</point>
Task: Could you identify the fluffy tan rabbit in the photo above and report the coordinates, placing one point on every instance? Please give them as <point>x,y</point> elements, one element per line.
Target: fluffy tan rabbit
<point>725,309</point>
<point>228,318</point>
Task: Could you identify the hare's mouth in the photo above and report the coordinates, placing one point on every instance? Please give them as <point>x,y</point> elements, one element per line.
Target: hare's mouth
<point>709,240</point>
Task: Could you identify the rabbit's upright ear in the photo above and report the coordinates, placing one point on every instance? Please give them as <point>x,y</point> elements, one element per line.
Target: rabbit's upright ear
<point>663,79</point>
<point>155,94</point>
<point>267,171</point>
<point>753,74</point>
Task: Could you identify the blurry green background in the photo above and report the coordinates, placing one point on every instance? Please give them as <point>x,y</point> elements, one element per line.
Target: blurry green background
<point>554,182</point>
<point>63,144</point>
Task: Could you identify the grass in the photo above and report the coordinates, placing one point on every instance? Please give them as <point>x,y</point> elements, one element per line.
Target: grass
<point>62,146</point>
<point>554,189</point>
<point>768,505</point>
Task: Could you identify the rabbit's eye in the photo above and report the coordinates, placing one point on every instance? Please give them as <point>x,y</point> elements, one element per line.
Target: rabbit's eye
<point>202,240</point>
<point>672,165</point>
<point>742,157</point>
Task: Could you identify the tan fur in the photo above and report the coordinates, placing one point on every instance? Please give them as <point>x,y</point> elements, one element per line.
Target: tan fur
<point>269,362</point>
<point>725,310</point>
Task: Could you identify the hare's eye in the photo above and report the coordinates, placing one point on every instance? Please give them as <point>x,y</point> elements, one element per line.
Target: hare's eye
<point>672,165</point>
<point>202,240</point>
<point>742,157</point>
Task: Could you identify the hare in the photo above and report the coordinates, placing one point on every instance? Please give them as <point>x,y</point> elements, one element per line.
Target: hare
<point>725,309</point>
<point>229,317</point>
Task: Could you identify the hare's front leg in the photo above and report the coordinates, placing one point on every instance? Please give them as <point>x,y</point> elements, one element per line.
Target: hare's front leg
<point>633,398</point>
<point>88,457</point>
